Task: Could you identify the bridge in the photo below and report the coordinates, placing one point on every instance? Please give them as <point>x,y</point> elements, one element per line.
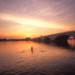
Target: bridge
<point>56,37</point>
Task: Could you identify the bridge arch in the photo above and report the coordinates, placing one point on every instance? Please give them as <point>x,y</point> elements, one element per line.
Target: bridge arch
<point>61,39</point>
<point>46,40</point>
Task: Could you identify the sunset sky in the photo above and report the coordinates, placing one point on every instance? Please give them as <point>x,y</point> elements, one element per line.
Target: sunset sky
<point>33,18</point>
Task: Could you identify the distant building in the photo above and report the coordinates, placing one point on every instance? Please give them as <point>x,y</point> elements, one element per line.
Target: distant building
<point>3,39</point>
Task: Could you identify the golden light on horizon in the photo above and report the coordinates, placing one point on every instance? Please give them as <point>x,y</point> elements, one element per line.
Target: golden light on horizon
<point>27,26</point>
<point>35,18</point>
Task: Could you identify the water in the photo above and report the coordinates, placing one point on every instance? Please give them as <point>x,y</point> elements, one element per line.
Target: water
<point>32,58</point>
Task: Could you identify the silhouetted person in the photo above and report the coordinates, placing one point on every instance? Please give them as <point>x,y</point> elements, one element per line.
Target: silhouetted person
<point>32,50</point>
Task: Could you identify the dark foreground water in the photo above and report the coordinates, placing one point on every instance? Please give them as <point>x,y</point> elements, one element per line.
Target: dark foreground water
<point>18,58</point>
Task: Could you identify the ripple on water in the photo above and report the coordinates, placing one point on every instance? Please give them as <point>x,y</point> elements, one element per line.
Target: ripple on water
<point>45,60</point>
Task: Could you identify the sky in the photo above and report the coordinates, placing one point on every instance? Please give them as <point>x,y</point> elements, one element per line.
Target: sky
<point>33,18</point>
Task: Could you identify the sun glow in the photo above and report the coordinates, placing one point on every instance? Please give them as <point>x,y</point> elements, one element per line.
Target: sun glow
<point>33,18</point>
<point>28,27</point>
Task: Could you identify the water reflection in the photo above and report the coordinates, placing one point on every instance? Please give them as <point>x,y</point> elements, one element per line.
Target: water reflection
<point>71,42</point>
<point>48,59</point>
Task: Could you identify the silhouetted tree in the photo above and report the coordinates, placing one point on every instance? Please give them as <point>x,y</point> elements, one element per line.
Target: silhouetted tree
<point>27,39</point>
<point>39,40</point>
<point>46,40</point>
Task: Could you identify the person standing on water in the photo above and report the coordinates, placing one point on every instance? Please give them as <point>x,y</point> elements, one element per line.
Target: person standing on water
<point>32,50</point>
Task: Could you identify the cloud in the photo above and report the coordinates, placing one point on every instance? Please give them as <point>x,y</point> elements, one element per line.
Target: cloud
<point>30,22</point>
<point>31,15</point>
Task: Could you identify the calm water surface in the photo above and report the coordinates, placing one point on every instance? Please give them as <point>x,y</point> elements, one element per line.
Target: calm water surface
<point>17,58</point>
